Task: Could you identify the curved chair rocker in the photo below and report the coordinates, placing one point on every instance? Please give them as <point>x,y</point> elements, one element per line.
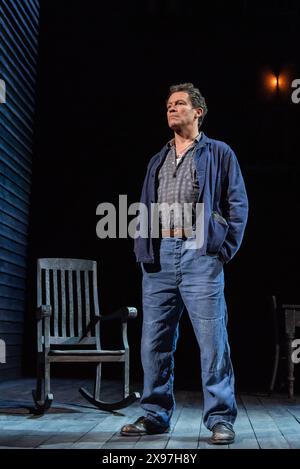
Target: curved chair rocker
<point>68,328</point>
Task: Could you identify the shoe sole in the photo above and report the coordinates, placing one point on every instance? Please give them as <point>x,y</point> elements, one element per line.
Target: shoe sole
<point>133,433</point>
<point>143,433</point>
<point>222,442</point>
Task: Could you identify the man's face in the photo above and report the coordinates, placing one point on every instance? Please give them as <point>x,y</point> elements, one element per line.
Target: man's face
<point>180,112</point>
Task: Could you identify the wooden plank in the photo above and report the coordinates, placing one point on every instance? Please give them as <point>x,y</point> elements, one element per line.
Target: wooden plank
<point>74,427</point>
<point>12,339</point>
<point>14,114</point>
<point>31,12</point>
<point>293,408</point>
<point>79,303</point>
<point>56,430</point>
<point>285,421</point>
<point>71,340</point>
<point>13,351</point>
<point>187,428</point>
<point>11,327</point>
<point>87,297</point>
<point>11,303</point>
<point>55,303</point>
<point>17,133</point>
<point>9,268</point>
<point>18,23</point>
<point>267,433</point>
<point>245,436</point>
<point>82,359</point>
<point>71,303</point>
<point>13,223</point>
<point>17,152</point>
<point>17,107</point>
<point>8,182</point>
<point>14,163</point>
<point>15,73</point>
<point>11,234</point>
<point>60,440</point>
<point>9,292</point>
<point>82,426</point>
<point>110,426</point>
<point>14,211</point>
<point>25,103</point>
<point>14,201</point>
<point>19,440</point>
<point>11,315</point>
<point>66,264</point>
<point>63,303</point>
<point>13,258</point>
<point>102,434</point>
<point>68,432</point>
<point>16,137</point>
<point>19,57</point>
<point>12,246</point>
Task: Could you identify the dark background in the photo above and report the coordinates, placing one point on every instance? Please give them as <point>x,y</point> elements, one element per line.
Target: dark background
<point>104,73</point>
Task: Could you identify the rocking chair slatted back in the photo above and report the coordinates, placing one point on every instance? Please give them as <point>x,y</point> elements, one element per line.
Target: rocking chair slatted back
<point>69,286</point>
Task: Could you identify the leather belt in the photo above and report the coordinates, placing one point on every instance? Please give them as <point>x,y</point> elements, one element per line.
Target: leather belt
<point>176,232</point>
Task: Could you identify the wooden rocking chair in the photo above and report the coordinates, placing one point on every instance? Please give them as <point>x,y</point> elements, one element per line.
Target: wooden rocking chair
<point>68,328</point>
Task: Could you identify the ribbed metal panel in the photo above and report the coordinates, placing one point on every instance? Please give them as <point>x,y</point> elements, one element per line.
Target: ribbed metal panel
<point>19,25</point>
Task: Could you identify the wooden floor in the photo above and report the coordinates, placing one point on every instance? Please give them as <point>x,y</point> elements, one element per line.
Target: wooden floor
<point>262,422</point>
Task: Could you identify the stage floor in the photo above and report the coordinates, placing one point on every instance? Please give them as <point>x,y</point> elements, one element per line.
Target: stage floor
<point>263,422</point>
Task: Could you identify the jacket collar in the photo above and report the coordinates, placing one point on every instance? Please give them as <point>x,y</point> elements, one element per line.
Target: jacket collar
<point>171,143</point>
<point>204,140</point>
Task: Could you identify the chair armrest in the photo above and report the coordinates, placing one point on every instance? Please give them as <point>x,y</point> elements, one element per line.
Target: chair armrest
<point>43,311</point>
<point>125,313</point>
<point>290,306</point>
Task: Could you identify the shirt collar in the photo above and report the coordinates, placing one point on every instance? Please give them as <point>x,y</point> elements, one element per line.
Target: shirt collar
<point>197,139</point>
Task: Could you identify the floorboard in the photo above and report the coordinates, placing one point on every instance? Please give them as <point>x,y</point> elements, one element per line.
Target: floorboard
<point>72,423</point>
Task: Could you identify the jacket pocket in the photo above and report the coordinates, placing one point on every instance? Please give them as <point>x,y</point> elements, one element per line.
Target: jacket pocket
<point>217,231</point>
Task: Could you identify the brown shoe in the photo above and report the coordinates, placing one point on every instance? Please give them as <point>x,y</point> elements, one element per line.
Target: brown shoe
<point>222,435</point>
<point>142,426</point>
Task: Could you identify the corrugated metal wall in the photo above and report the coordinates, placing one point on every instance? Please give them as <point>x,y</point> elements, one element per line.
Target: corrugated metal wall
<point>19,22</point>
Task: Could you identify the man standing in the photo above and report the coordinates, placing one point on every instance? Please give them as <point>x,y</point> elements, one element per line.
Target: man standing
<point>179,271</point>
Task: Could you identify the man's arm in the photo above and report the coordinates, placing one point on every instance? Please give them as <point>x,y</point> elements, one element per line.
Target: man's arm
<point>235,206</point>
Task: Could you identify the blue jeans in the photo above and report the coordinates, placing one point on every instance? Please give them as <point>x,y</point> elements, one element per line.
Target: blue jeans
<point>181,279</point>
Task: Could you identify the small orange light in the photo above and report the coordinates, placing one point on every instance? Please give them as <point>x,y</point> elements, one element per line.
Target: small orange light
<point>277,83</point>
<point>273,82</point>
<point>283,82</point>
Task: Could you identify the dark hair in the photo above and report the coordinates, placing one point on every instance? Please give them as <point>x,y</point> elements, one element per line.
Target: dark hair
<point>196,97</point>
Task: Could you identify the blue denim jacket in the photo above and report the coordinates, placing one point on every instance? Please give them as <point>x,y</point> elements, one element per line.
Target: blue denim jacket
<point>222,191</point>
